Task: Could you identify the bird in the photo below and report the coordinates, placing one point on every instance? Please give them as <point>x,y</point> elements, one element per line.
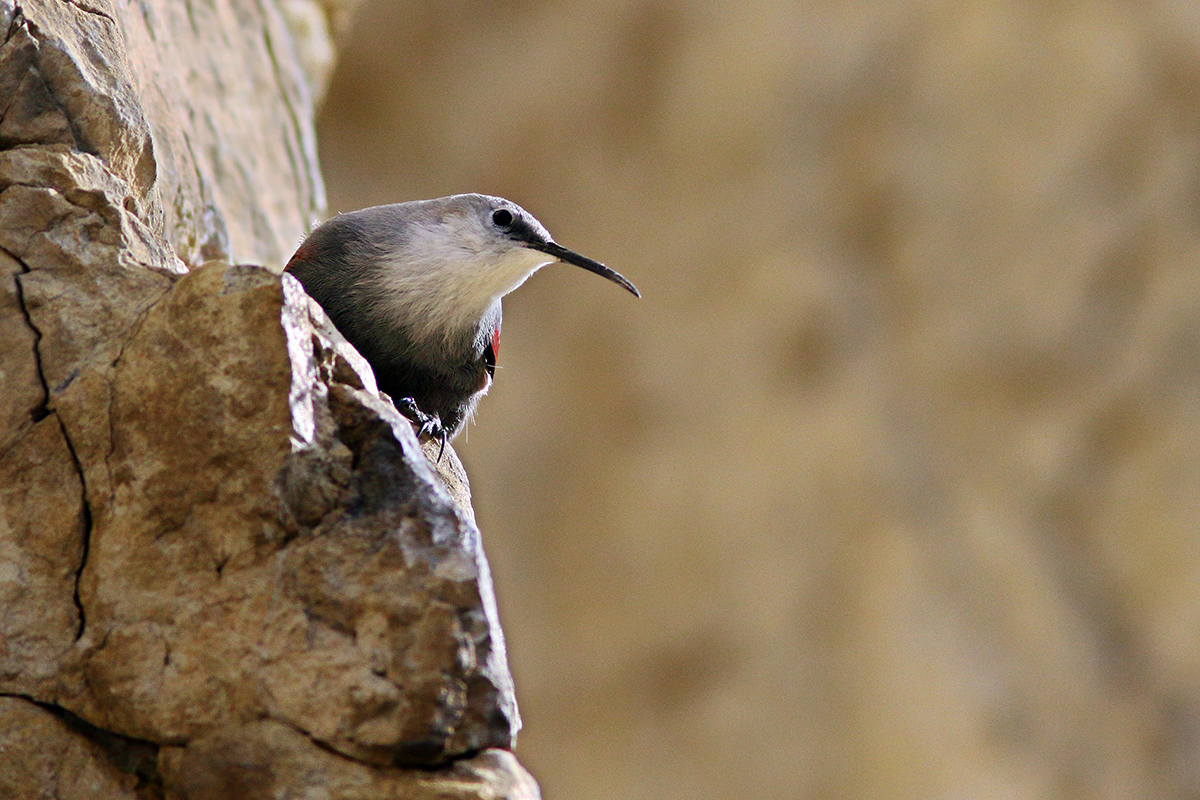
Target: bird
<point>416,287</point>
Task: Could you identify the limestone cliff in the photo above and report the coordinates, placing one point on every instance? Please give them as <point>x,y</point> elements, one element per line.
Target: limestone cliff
<point>227,569</point>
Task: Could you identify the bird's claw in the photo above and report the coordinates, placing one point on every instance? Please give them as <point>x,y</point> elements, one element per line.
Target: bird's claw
<point>426,424</point>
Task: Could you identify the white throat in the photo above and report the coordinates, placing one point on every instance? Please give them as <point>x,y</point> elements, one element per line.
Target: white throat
<point>440,286</point>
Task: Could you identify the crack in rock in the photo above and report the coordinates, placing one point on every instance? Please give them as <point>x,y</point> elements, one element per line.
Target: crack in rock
<point>41,410</point>
<point>129,755</point>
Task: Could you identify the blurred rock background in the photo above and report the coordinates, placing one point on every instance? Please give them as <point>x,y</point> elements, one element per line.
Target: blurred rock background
<point>888,488</point>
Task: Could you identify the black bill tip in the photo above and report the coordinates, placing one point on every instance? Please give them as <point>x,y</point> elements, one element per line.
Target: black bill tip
<point>571,257</point>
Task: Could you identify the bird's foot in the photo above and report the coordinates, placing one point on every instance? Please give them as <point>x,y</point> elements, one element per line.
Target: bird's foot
<point>426,424</point>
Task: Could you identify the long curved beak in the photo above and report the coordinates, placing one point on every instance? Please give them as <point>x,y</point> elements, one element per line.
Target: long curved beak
<point>571,257</point>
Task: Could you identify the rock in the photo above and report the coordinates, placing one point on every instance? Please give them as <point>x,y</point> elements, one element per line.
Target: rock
<point>42,526</point>
<point>43,755</point>
<point>266,550</point>
<point>253,562</point>
<point>147,94</point>
<point>267,759</point>
<point>24,396</point>
<point>211,523</point>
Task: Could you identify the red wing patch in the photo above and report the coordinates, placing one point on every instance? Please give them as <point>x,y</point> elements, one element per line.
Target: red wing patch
<point>301,254</point>
<point>493,350</point>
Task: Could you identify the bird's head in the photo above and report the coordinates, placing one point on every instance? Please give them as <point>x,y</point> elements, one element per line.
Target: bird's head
<point>482,247</point>
<point>436,267</point>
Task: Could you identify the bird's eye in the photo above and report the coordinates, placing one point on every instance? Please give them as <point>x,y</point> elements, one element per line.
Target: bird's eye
<point>502,217</point>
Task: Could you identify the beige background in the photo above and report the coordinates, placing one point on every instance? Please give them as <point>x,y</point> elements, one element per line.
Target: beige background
<point>888,488</point>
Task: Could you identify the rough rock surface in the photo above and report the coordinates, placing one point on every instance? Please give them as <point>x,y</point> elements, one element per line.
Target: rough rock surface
<point>48,754</point>
<point>268,759</point>
<point>217,540</point>
<point>356,615</point>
